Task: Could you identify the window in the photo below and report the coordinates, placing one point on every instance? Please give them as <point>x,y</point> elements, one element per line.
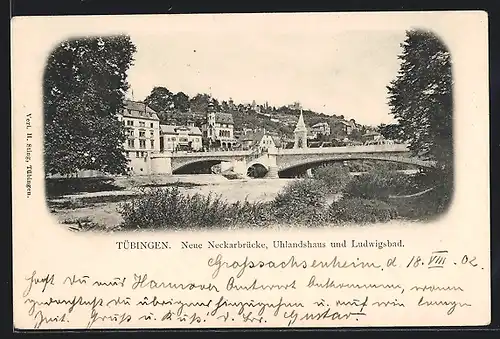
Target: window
<point>127,154</point>
<point>131,132</point>
<point>131,143</point>
<point>138,154</point>
<point>142,123</point>
<point>142,134</point>
<point>152,125</point>
<point>130,123</point>
<point>152,133</point>
<point>142,143</point>
<point>152,143</point>
<point>173,138</point>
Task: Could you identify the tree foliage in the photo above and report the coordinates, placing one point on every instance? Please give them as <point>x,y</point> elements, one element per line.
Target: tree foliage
<point>199,103</point>
<point>391,131</point>
<point>160,99</point>
<point>181,101</point>
<point>83,90</point>
<point>421,97</point>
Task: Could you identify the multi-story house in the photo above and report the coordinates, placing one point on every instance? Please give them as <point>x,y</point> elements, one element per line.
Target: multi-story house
<point>219,128</point>
<point>321,128</point>
<point>180,138</point>
<point>260,140</point>
<point>143,132</point>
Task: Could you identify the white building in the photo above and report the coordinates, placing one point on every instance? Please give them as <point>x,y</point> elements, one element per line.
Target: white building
<point>180,138</point>
<point>321,128</point>
<point>260,140</point>
<point>143,133</point>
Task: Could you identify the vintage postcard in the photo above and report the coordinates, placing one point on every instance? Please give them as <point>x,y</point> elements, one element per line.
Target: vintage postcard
<point>251,170</point>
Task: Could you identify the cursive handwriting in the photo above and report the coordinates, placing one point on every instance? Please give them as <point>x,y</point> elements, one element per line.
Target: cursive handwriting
<point>142,281</point>
<point>46,280</point>
<point>218,263</point>
<point>291,291</point>
<point>41,319</point>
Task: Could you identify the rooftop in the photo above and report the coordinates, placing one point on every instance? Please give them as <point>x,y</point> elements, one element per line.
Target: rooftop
<point>224,118</point>
<point>320,124</point>
<point>137,109</point>
<point>256,137</point>
<point>173,129</point>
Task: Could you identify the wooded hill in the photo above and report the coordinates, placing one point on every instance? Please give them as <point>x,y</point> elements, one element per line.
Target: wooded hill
<point>178,109</point>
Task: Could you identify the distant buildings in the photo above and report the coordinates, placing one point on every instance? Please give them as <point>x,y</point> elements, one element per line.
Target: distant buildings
<point>371,136</point>
<point>321,128</point>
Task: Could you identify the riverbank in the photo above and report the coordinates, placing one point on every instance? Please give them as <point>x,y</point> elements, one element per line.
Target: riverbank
<point>102,207</point>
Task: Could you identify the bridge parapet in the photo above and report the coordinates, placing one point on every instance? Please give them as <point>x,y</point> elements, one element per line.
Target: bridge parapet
<point>397,148</point>
<point>227,154</point>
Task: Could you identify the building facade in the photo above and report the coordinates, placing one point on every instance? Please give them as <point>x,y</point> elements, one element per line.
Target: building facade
<point>321,128</point>
<point>143,133</point>
<point>180,138</point>
<point>218,129</point>
<point>260,140</point>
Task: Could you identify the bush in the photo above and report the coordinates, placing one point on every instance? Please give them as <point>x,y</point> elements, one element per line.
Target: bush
<point>302,202</point>
<point>362,211</point>
<point>335,177</point>
<point>380,183</point>
<point>170,209</point>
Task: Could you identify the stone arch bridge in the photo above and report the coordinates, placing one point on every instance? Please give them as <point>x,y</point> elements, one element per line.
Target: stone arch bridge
<point>281,161</point>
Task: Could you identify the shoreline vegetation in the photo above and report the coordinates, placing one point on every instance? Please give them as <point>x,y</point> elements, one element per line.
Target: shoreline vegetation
<point>331,197</point>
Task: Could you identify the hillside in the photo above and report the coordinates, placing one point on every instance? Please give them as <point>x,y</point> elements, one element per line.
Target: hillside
<point>179,108</point>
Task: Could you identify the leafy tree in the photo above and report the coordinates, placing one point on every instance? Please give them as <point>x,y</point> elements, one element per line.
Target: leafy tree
<point>181,101</point>
<point>83,91</point>
<point>356,134</point>
<point>160,99</point>
<point>199,103</point>
<point>391,131</point>
<point>421,97</point>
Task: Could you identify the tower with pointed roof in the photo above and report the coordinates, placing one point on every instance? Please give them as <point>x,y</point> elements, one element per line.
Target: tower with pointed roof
<point>300,133</point>
<point>210,117</point>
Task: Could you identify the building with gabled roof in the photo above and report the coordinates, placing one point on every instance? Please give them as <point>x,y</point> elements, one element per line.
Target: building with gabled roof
<point>260,140</point>
<point>143,133</point>
<point>218,128</point>
<point>138,110</point>
<point>320,128</point>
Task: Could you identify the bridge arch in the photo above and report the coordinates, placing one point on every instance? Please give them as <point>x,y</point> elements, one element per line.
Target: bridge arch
<point>257,170</point>
<point>287,170</point>
<point>197,166</point>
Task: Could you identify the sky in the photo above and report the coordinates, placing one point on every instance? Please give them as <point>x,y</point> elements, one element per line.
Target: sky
<point>333,72</point>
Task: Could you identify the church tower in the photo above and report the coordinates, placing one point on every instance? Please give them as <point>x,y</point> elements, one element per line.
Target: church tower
<point>300,133</point>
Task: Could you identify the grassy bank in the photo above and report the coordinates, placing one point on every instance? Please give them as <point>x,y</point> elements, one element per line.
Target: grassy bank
<point>375,197</point>
<point>332,197</point>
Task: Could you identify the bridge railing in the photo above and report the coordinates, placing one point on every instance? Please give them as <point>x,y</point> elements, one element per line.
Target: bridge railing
<point>344,149</point>
<point>211,154</point>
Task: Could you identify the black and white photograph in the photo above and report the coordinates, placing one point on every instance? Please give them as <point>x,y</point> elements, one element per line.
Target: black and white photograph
<point>280,170</point>
<point>220,130</point>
